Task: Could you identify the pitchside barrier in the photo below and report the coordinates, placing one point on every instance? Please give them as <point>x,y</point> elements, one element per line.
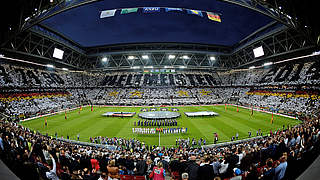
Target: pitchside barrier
<point>232,142</point>
<point>110,147</point>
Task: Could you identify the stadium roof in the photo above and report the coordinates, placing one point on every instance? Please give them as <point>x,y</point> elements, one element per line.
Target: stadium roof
<point>83,25</point>
<point>76,27</point>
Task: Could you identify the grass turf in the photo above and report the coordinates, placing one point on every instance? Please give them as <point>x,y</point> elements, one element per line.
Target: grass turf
<point>227,124</point>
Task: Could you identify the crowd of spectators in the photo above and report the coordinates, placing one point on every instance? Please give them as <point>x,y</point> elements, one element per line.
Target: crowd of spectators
<point>85,88</point>
<point>281,155</point>
<point>31,155</point>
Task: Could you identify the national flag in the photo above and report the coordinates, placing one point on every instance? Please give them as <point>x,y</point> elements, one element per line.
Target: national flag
<point>182,93</point>
<point>173,9</point>
<point>113,93</point>
<point>129,10</point>
<point>204,92</point>
<point>214,16</point>
<point>237,108</point>
<point>151,9</point>
<point>136,93</point>
<point>107,13</point>
<point>195,12</point>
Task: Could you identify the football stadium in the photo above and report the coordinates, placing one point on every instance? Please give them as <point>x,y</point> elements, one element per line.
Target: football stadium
<point>179,90</point>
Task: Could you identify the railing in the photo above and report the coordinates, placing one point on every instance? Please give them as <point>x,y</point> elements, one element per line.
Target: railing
<point>110,147</point>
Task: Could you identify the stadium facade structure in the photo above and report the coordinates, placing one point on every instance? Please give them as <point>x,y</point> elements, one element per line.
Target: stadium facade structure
<point>282,38</point>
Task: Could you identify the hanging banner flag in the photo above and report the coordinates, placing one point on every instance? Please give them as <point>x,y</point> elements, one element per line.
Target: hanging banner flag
<point>214,16</point>
<point>107,13</point>
<point>151,9</point>
<point>173,9</point>
<point>129,10</point>
<point>195,12</point>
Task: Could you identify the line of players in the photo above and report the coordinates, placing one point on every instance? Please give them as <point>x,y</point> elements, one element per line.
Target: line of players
<point>166,122</point>
<point>159,130</point>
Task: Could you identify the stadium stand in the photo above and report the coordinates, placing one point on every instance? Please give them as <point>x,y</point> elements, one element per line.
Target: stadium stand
<point>32,155</point>
<point>28,92</point>
<point>197,88</point>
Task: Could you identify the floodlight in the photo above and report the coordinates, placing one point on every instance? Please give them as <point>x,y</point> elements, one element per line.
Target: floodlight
<point>252,67</point>
<point>145,57</point>
<point>185,57</point>
<point>258,52</point>
<point>212,58</point>
<point>58,53</point>
<point>267,64</point>
<point>104,59</point>
<point>65,69</point>
<point>50,66</point>
<point>131,57</point>
<point>171,56</point>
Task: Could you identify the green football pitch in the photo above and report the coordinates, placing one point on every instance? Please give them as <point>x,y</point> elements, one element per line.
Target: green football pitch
<point>91,124</point>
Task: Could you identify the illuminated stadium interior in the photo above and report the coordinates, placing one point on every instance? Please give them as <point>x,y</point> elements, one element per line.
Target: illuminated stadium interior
<point>118,89</point>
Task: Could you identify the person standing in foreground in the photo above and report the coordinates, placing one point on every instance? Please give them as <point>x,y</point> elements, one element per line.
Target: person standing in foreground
<point>52,174</point>
<point>158,172</point>
<point>205,172</point>
<point>113,171</point>
<point>280,170</point>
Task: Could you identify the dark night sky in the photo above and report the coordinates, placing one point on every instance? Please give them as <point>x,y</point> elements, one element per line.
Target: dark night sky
<point>84,26</point>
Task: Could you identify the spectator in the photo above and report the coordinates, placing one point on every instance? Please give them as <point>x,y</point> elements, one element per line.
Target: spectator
<point>192,168</point>
<point>280,170</point>
<point>205,171</point>
<point>158,172</point>
<point>113,171</point>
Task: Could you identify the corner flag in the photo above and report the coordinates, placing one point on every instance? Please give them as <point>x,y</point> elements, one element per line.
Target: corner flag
<point>272,118</point>
<point>65,115</point>
<point>237,108</point>
<point>91,107</point>
<point>251,111</point>
<point>45,121</point>
<point>225,107</point>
